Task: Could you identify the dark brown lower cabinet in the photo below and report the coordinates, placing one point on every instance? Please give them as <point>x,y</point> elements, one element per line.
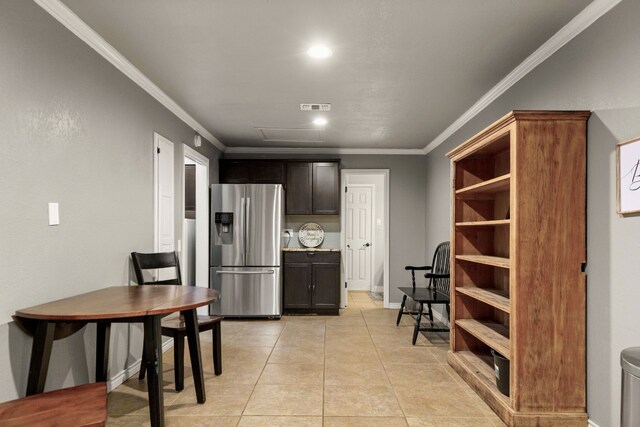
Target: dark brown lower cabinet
<point>312,282</point>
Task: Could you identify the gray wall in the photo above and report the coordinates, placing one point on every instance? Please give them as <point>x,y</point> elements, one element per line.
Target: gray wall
<point>329,223</point>
<point>73,130</point>
<point>597,71</point>
<point>407,219</point>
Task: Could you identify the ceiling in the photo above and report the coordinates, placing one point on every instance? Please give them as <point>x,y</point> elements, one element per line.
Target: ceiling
<point>400,74</point>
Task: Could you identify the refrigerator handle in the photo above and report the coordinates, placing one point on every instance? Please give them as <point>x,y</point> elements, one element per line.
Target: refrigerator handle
<point>246,228</point>
<point>243,222</point>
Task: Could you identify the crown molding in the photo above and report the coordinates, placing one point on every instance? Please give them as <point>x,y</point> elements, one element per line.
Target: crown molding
<point>319,150</point>
<point>77,26</point>
<point>578,24</point>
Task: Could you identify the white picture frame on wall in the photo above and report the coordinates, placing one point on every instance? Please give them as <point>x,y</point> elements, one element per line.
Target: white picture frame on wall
<point>628,177</point>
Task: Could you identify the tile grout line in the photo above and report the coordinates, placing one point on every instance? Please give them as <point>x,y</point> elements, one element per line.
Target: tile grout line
<point>373,320</point>
<point>324,369</point>
<point>259,376</point>
<point>387,374</point>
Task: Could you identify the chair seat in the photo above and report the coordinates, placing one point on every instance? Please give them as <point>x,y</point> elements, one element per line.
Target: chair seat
<point>424,295</point>
<point>177,323</point>
<point>84,405</point>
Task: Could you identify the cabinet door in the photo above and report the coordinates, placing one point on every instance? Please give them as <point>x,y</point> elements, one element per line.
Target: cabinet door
<point>326,189</point>
<point>299,188</point>
<point>297,285</point>
<point>234,172</point>
<point>326,286</point>
<point>267,173</point>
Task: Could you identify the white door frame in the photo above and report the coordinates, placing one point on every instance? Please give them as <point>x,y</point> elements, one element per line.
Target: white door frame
<point>202,214</point>
<point>156,183</point>
<point>344,173</point>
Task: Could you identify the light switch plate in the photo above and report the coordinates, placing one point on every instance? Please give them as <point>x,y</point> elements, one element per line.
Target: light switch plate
<point>54,214</point>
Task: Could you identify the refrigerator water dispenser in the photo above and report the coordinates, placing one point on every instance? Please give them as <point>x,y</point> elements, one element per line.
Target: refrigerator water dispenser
<point>224,220</point>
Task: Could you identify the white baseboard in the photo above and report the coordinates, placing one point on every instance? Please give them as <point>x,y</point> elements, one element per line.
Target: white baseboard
<point>394,305</point>
<point>131,370</point>
<point>440,318</point>
<point>592,424</point>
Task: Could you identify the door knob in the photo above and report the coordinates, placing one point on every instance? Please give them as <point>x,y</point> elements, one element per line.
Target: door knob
<point>366,245</point>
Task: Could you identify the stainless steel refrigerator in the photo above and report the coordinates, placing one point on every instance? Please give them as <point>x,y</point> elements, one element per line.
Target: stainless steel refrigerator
<point>246,249</point>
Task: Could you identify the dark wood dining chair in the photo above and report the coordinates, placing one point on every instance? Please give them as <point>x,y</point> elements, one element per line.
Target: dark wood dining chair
<point>436,291</point>
<point>175,326</point>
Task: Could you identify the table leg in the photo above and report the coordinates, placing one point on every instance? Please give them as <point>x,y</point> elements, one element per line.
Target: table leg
<point>193,336</point>
<point>178,361</point>
<point>102,350</point>
<point>40,355</point>
<point>153,357</point>
<point>217,348</point>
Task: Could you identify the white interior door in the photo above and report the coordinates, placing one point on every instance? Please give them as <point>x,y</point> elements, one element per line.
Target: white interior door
<point>164,199</point>
<point>202,225</point>
<point>358,209</point>
<point>201,247</point>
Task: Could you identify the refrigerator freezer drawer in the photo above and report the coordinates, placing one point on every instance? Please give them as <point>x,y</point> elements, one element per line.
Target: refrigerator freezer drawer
<point>247,291</point>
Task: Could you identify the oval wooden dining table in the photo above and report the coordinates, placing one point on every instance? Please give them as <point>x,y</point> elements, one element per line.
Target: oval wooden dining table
<point>146,304</point>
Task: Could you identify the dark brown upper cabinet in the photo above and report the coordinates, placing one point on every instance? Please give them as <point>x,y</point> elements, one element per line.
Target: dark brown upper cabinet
<point>299,188</point>
<point>234,172</point>
<point>313,188</point>
<point>326,188</point>
<point>267,173</point>
<point>252,172</point>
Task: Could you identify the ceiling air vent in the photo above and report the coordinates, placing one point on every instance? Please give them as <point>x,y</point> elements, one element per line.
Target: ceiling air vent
<point>315,107</point>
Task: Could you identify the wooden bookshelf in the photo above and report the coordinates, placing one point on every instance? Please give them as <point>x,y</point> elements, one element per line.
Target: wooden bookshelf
<point>492,223</point>
<point>485,188</point>
<point>493,334</point>
<point>494,297</point>
<point>516,253</point>
<point>481,368</point>
<point>485,259</point>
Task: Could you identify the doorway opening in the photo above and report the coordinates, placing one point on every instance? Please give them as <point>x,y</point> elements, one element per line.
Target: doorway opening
<point>365,233</point>
<point>163,195</point>
<point>194,257</point>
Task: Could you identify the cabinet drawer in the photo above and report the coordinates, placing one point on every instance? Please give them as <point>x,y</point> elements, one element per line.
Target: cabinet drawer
<point>312,257</point>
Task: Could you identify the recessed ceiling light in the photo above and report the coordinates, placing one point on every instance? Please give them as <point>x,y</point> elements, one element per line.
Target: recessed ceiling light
<point>319,51</point>
<point>320,121</point>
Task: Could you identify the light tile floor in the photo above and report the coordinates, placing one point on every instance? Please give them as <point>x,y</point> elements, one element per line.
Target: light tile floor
<point>357,369</point>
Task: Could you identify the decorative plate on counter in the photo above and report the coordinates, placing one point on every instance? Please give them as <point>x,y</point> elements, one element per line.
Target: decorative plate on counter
<point>311,235</point>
